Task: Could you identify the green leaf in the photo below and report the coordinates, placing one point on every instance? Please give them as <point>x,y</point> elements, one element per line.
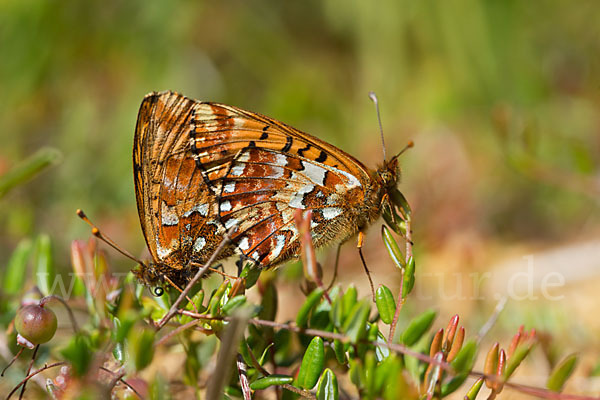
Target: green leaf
<point>233,304</point>
<point>384,299</point>
<point>28,168</point>
<point>382,352</point>
<point>311,301</point>
<point>43,266</point>
<point>215,300</point>
<point>271,380</point>
<point>123,325</point>
<point>159,388</point>
<point>387,376</point>
<point>269,302</point>
<point>16,271</point>
<point>356,323</point>
<point>336,314</point>
<point>328,386</point>
<point>356,373</point>
<point>515,360</point>
<point>141,347</point>
<point>197,300</point>
<point>466,357</point>
<point>251,274</point>
<point>561,372</point>
<point>409,277</point>
<point>474,391</point>
<point>312,364</point>
<point>79,354</point>
<point>369,370</point>
<point>393,220</point>
<point>261,360</point>
<point>349,299</point>
<point>119,352</point>
<point>338,350</point>
<point>418,327</point>
<point>453,384</point>
<point>400,201</point>
<point>392,247</point>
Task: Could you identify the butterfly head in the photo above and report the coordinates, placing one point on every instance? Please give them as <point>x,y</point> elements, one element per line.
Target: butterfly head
<point>149,275</point>
<point>389,174</point>
<point>394,206</point>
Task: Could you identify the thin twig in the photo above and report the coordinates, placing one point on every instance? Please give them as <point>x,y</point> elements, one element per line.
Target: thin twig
<point>401,299</point>
<point>324,334</point>
<point>122,381</point>
<point>12,361</point>
<point>175,331</point>
<point>31,375</point>
<point>244,384</point>
<point>335,270</point>
<point>493,318</point>
<point>196,278</point>
<point>29,370</point>
<point>399,305</point>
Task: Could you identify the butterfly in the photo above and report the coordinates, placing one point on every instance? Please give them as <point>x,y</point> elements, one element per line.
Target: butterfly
<point>201,168</point>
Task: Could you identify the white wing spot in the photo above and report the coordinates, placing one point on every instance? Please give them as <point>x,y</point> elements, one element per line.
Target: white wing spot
<point>230,222</point>
<point>225,206</point>
<point>245,156</point>
<point>201,209</point>
<point>296,201</point>
<point>314,173</point>
<point>229,187</point>
<point>244,243</point>
<point>278,247</point>
<point>162,252</point>
<point>281,159</point>
<point>165,252</point>
<point>331,212</point>
<point>199,244</point>
<point>238,170</point>
<point>169,216</point>
<point>353,180</point>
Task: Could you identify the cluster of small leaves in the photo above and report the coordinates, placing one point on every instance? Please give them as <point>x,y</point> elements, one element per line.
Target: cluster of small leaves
<point>338,338</point>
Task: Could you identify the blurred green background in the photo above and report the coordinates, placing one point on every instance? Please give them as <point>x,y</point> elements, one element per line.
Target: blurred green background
<point>502,99</point>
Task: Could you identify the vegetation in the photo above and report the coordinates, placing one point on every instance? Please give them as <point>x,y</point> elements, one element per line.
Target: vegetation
<point>501,101</point>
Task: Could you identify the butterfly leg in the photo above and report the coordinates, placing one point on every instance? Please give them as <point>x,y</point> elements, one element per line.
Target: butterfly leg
<point>361,238</point>
<point>335,270</point>
<point>239,263</point>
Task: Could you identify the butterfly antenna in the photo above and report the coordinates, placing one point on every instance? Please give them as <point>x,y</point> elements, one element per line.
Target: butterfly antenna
<point>373,97</point>
<point>96,232</point>
<point>409,145</point>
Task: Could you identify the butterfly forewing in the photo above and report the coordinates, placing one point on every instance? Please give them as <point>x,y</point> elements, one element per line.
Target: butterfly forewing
<point>201,168</point>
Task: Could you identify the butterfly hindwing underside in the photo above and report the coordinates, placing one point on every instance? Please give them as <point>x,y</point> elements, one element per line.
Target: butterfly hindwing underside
<point>201,168</point>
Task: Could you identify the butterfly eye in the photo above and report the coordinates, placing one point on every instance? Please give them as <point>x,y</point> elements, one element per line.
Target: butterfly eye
<point>158,291</point>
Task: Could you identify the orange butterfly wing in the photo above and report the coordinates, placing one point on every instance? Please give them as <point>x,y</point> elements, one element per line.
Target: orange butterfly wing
<point>262,170</point>
<point>201,168</point>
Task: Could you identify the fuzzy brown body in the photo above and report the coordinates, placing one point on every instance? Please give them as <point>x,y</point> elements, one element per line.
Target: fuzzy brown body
<point>201,168</point>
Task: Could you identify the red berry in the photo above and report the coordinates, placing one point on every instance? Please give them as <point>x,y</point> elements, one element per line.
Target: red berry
<point>35,323</point>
